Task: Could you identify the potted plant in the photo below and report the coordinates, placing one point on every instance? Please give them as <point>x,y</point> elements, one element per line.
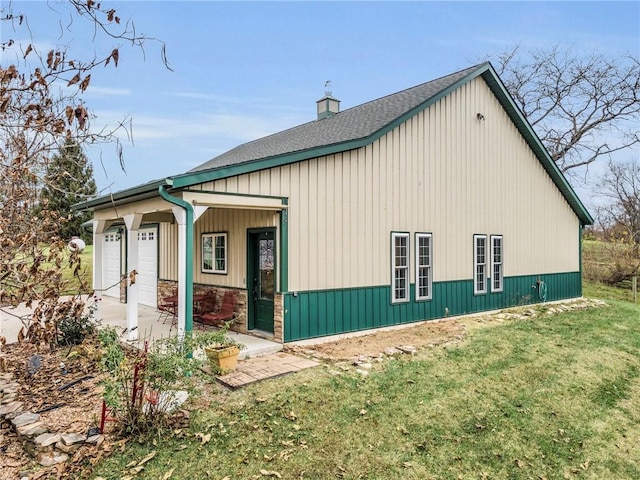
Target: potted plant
<point>221,350</point>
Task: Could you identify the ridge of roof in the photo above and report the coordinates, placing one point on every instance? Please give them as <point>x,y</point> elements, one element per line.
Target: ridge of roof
<point>354,123</point>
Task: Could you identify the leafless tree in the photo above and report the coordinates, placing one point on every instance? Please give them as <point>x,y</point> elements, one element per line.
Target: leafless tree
<point>620,186</point>
<point>41,108</point>
<point>582,106</point>
<point>616,256</point>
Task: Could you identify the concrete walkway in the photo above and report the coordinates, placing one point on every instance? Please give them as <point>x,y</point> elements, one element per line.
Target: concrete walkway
<point>150,328</point>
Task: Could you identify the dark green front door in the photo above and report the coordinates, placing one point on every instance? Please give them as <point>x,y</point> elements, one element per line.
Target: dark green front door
<point>261,283</point>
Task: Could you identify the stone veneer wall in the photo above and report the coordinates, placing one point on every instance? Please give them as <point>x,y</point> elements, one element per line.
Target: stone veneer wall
<point>123,288</point>
<point>167,288</point>
<point>278,318</point>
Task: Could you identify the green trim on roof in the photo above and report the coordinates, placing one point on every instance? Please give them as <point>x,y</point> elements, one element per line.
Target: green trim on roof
<point>140,192</point>
<point>526,130</point>
<point>190,179</point>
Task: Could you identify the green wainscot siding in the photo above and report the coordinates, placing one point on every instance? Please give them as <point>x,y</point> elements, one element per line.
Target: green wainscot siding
<point>329,312</point>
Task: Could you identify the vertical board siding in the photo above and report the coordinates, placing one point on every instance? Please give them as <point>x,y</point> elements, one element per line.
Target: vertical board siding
<point>320,313</point>
<point>168,251</point>
<point>442,171</point>
<point>235,223</point>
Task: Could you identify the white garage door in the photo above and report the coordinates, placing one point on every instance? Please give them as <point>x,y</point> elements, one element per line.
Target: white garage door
<point>111,265</point>
<point>148,266</point>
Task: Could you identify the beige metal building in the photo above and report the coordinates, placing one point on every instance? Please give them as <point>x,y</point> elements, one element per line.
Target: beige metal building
<point>437,200</point>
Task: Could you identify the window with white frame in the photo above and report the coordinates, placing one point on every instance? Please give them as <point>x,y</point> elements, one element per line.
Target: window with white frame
<point>214,253</point>
<point>399,267</point>
<point>496,263</point>
<point>423,266</point>
<point>479,264</point>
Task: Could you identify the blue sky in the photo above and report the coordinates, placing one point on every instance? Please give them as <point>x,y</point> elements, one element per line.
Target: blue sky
<point>244,70</point>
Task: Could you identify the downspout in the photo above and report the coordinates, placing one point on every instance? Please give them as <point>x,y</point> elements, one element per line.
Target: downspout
<point>188,285</point>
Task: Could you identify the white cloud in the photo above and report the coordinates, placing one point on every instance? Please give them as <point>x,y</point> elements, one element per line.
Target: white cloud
<point>238,127</point>
<point>96,91</point>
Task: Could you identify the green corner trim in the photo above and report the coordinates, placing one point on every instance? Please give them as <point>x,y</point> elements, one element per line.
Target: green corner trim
<point>328,312</point>
<point>284,248</point>
<point>580,232</point>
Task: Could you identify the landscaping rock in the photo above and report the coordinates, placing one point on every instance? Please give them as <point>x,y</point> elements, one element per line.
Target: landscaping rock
<point>25,419</point>
<point>392,351</point>
<point>11,407</point>
<point>95,440</point>
<point>31,430</point>
<point>46,439</point>
<point>9,387</point>
<point>50,459</point>
<point>8,398</point>
<point>410,349</point>
<point>67,448</point>
<point>72,438</point>
<point>33,364</point>
<point>171,400</point>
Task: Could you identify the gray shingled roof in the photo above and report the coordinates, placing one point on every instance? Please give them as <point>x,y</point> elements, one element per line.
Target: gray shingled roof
<point>351,124</point>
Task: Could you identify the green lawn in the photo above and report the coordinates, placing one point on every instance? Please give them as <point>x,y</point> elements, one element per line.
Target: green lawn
<point>86,271</point>
<point>542,398</point>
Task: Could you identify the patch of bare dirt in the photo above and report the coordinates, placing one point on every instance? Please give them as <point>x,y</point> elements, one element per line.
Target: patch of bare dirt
<point>431,333</point>
<point>419,336</point>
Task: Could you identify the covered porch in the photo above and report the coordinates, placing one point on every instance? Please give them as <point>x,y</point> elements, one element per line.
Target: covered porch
<point>151,328</point>
<point>205,241</point>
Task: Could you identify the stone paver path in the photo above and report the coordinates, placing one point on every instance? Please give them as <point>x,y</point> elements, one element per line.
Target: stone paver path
<point>252,370</point>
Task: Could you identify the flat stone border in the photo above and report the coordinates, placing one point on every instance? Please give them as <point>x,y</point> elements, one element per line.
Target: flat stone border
<point>46,448</point>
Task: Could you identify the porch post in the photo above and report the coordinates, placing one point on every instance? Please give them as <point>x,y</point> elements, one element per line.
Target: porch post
<point>181,218</point>
<point>132,223</point>
<point>98,244</point>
